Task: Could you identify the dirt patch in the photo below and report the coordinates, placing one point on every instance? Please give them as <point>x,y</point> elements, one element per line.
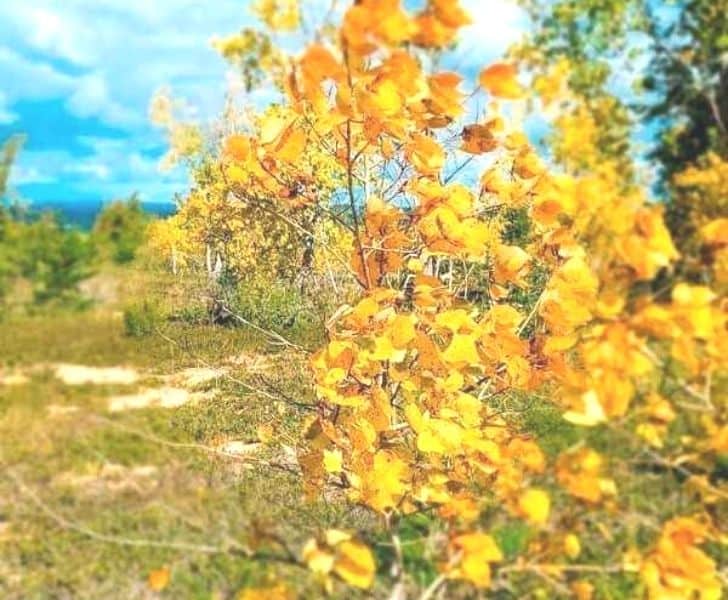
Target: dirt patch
<point>238,447</point>
<point>196,376</point>
<point>60,410</point>
<point>13,378</point>
<point>83,375</point>
<point>164,397</point>
<point>253,363</point>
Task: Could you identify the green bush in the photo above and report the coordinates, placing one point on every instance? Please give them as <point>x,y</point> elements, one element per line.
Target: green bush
<point>119,229</point>
<point>282,308</point>
<point>52,258</point>
<point>142,319</point>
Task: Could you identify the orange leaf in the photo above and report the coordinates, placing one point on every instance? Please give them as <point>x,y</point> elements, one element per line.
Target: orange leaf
<point>426,154</point>
<point>500,81</point>
<point>478,139</point>
<point>238,147</point>
<point>158,579</point>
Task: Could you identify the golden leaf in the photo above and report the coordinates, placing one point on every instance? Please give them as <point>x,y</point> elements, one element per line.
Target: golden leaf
<point>333,461</point>
<point>501,81</point>
<point>355,563</point>
<point>426,155</point>
<point>535,505</point>
<point>159,579</point>
<point>462,351</point>
<point>572,546</point>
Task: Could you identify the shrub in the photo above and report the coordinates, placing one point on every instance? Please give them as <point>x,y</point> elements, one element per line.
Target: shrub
<point>142,318</point>
<point>120,229</point>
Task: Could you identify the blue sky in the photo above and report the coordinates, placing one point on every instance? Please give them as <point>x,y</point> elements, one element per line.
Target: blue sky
<point>77,77</point>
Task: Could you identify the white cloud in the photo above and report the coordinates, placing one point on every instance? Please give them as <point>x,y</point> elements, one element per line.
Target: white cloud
<point>22,175</point>
<point>6,115</point>
<point>104,59</point>
<point>497,24</point>
<point>91,97</point>
<point>50,31</point>
<point>29,79</point>
<point>110,170</point>
<point>89,168</point>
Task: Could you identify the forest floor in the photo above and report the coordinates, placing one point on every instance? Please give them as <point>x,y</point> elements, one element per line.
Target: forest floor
<point>134,463</point>
<point>125,457</point>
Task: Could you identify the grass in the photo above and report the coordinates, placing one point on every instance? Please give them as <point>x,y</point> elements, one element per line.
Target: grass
<point>76,521</point>
<point>92,501</point>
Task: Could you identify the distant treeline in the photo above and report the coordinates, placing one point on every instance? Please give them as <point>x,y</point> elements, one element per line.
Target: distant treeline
<point>44,257</point>
<point>82,214</point>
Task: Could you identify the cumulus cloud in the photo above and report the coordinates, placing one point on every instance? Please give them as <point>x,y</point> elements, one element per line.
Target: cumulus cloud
<point>50,31</point>
<point>26,78</point>
<point>103,60</point>
<point>6,115</point>
<point>24,175</point>
<point>91,97</point>
<point>497,24</point>
<point>106,58</point>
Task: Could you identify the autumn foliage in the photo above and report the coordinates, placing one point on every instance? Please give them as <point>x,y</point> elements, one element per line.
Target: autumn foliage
<point>486,275</point>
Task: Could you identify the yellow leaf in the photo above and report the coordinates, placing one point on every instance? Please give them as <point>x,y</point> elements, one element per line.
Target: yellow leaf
<point>318,560</point>
<point>384,350</point>
<point>451,13</point>
<point>415,265</point>
<point>237,174</point>
<point>336,536</point>
<point>414,417</point>
<point>334,375</point>
<point>455,320</point>
<point>402,330</point>
<point>510,264</point>
<point>583,590</point>
<point>478,550</point>
<point>572,546</point>
<point>333,461</point>
<point>716,232</point>
<point>355,564</point>
<point>439,436</point>
<point>279,15</point>
<point>462,351</point>
<point>272,127</point>
<point>238,147</point>
<point>592,414</point>
<point>385,481</point>
<point>291,145</point>
<point>651,433</point>
<point>276,592</point>
<point>159,579</point>
<point>535,505</point>
<point>318,64</point>
<point>425,154</point>
<point>384,101</point>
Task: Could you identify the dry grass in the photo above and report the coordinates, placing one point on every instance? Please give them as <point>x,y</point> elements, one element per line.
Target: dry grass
<point>93,498</point>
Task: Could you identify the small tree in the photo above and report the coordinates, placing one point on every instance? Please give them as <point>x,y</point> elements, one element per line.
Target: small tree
<point>120,228</point>
<point>495,292</point>
<point>53,258</point>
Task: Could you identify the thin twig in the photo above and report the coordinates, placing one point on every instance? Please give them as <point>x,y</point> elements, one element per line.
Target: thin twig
<point>61,521</point>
